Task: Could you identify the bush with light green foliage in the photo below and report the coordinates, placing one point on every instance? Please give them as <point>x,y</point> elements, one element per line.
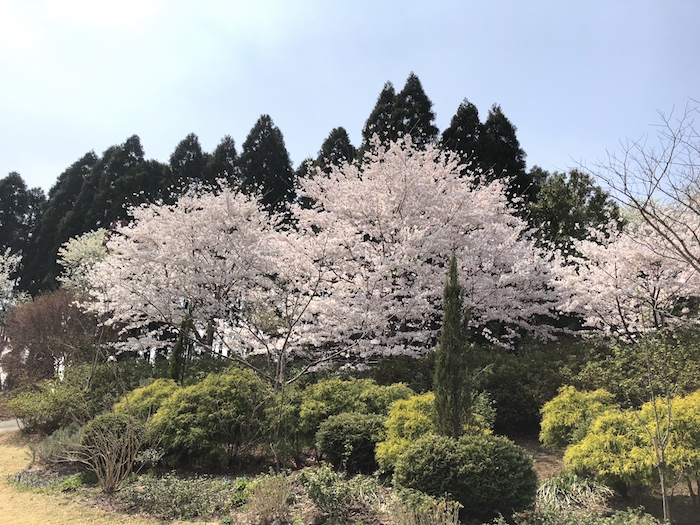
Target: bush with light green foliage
<point>334,396</point>
<point>567,417</point>
<point>408,420</point>
<point>84,392</point>
<point>213,421</point>
<point>617,450</point>
<point>487,474</point>
<point>145,401</point>
<point>411,418</point>
<point>683,454</point>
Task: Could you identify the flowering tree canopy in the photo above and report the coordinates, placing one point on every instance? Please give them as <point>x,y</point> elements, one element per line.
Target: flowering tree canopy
<point>361,272</point>
<point>393,224</point>
<point>9,262</point>
<point>628,283</point>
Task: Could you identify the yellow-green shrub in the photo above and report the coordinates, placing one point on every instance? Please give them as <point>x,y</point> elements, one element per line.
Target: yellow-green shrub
<point>567,417</point>
<point>334,396</point>
<point>145,401</point>
<point>408,420</point>
<point>617,449</point>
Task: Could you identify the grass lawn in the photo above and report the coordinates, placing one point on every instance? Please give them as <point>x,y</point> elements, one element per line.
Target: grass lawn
<point>18,507</point>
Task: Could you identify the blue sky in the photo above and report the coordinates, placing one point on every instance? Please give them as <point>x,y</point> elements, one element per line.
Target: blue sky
<point>575,78</point>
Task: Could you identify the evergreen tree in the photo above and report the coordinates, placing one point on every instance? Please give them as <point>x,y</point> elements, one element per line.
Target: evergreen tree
<point>451,383</point>
<point>99,204</point>
<point>413,114</point>
<point>187,163</point>
<point>503,158</point>
<point>20,211</point>
<point>336,150</point>
<point>40,266</point>
<point>567,206</point>
<point>265,167</point>
<point>464,135</point>
<point>381,121</point>
<point>222,163</point>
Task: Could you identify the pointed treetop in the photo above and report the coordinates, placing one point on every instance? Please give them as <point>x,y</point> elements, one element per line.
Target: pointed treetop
<point>413,113</point>
<point>265,166</point>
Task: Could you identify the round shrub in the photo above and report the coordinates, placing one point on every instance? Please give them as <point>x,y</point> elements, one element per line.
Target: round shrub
<point>347,440</point>
<point>408,420</point>
<point>567,417</point>
<point>214,420</point>
<point>145,401</point>
<point>488,475</point>
<point>334,396</point>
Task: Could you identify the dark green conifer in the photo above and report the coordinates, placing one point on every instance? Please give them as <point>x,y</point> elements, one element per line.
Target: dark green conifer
<point>336,150</point>
<point>413,114</point>
<point>501,156</point>
<point>452,380</point>
<point>381,121</point>
<point>265,167</point>
<point>464,135</point>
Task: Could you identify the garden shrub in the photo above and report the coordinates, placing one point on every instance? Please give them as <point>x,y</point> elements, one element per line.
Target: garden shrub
<point>172,497</point>
<point>616,450</point>
<point>488,475</point>
<point>567,490</point>
<point>348,440</point>
<point>521,381</point>
<point>269,499</point>
<point>52,405</point>
<point>282,413</point>
<point>59,447</point>
<point>214,420</point>
<point>411,507</point>
<point>145,401</point>
<point>84,392</point>
<point>108,446</point>
<point>408,420</point>
<point>330,397</point>
<point>557,516</point>
<point>567,417</point>
<point>328,490</point>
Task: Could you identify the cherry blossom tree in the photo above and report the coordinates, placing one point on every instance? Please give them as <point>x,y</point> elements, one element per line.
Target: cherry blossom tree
<point>660,180</point>
<point>628,283</point>
<point>633,286</point>
<point>215,264</point>
<point>360,273</point>
<point>78,255</point>
<point>393,224</point>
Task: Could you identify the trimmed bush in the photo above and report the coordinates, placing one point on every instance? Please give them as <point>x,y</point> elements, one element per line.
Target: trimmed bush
<point>348,440</point>
<point>567,417</point>
<point>408,420</point>
<point>334,396</point>
<point>616,450</point>
<point>488,475</point>
<point>212,421</point>
<point>145,401</point>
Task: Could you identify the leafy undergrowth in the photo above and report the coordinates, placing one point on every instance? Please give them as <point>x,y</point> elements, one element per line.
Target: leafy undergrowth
<point>313,496</point>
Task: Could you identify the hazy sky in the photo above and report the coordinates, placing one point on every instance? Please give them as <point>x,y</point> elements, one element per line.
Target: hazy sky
<point>574,77</point>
